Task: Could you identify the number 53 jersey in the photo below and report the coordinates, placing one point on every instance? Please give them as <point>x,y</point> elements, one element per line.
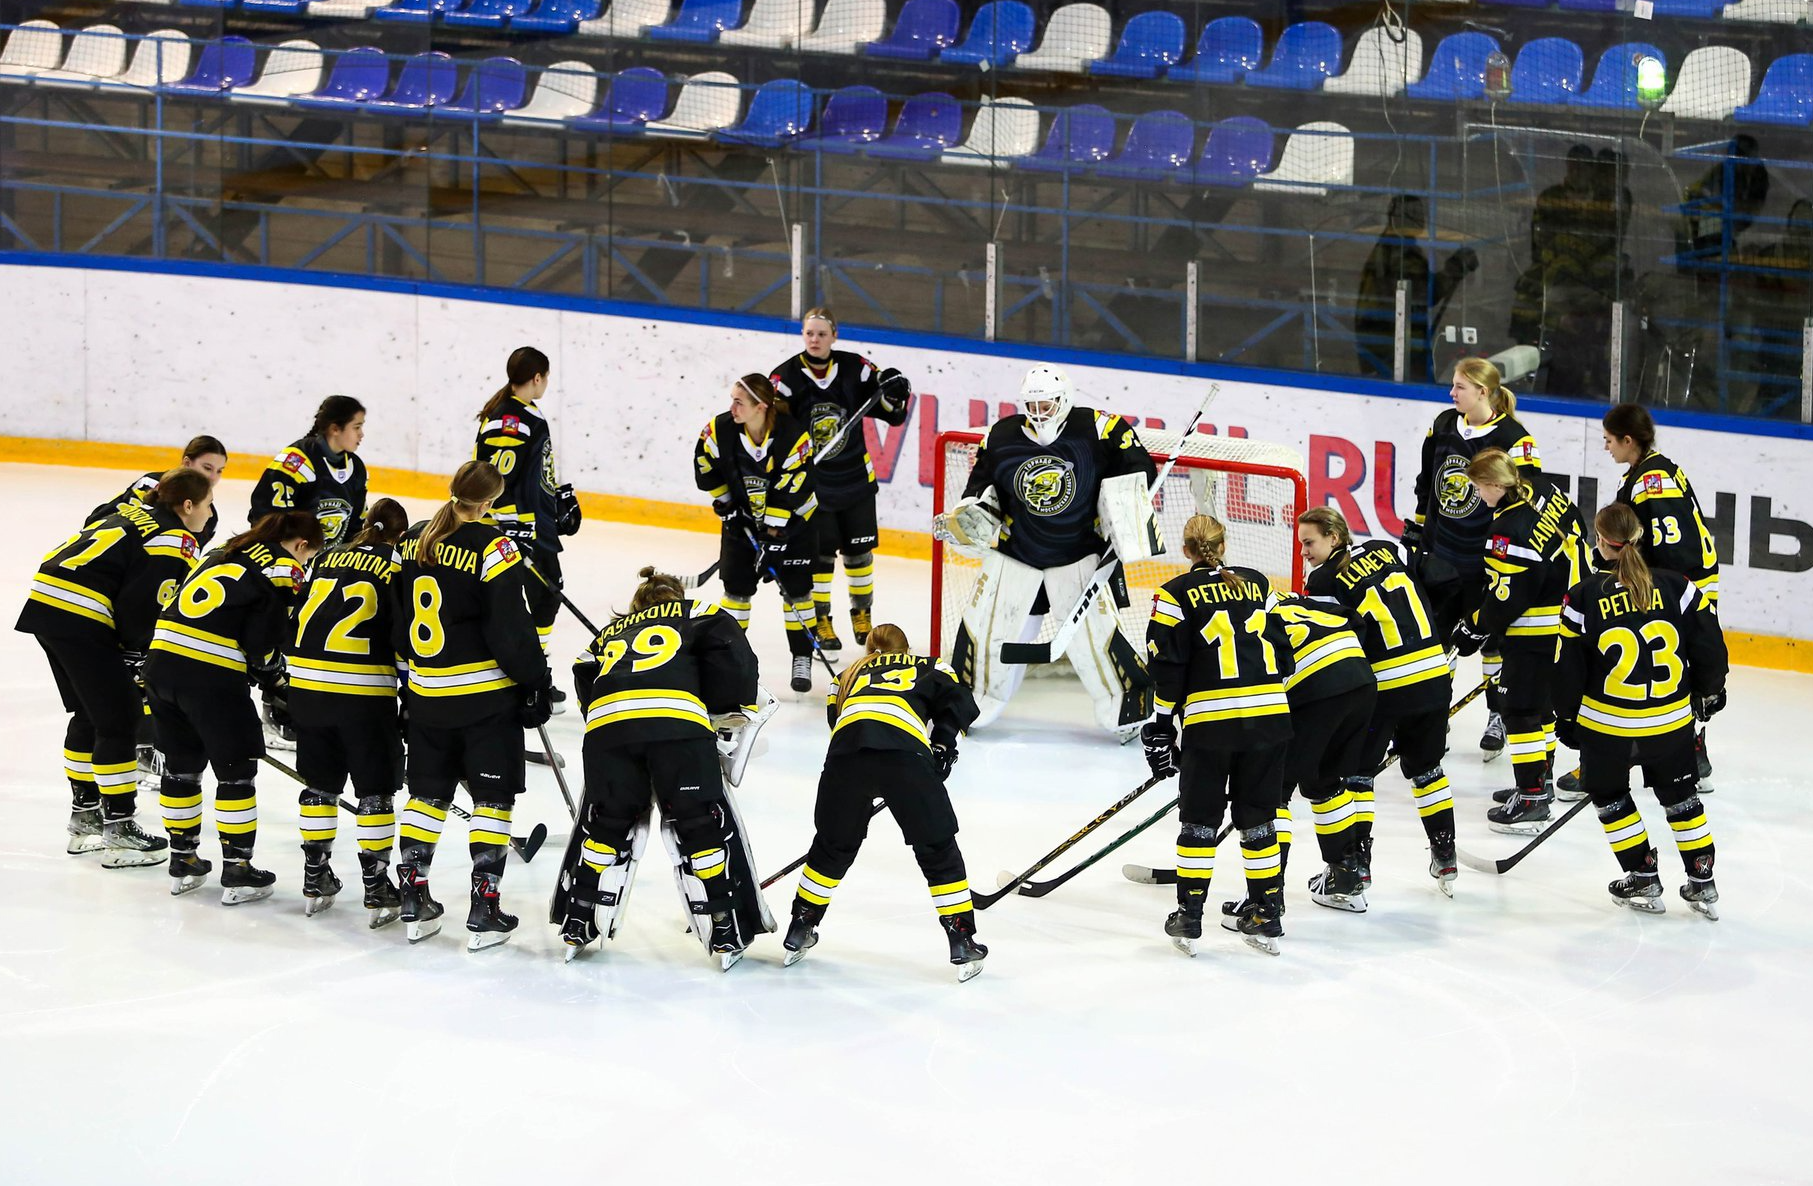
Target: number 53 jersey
<point>662,673</point>
<point>1630,670</point>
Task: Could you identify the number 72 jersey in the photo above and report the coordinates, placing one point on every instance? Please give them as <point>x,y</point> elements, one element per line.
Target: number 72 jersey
<point>342,645</point>
<point>1629,670</point>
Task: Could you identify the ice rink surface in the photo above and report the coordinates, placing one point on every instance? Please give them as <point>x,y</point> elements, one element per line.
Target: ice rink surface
<point>1528,1030</point>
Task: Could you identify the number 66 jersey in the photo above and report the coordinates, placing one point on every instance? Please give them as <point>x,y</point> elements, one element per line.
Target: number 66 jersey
<point>662,673</point>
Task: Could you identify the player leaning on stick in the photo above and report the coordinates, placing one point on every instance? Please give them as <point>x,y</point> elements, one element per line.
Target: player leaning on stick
<point>895,717</point>
<point>1048,484</point>
<point>651,684</point>
<point>828,389</point>
<point>755,461</point>
<point>226,623</point>
<point>1219,660</point>
<point>341,664</point>
<point>1675,535</point>
<point>477,679</point>
<point>93,605</point>
<point>1444,541</point>
<point>203,453</point>
<point>1641,656</point>
<point>321,473</point>
<point>1411,713</point>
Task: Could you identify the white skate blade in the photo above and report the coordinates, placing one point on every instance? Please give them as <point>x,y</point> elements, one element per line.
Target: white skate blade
<point>314,906</point>
<point>1230,922</point>
<point>970,970</point>
<point>1642,905</point>
<point>239,895</point>
<point>132,858</point>
<point>1446,885</point>
<point>1488,755</point>
<point>1709,909</point>
<point>1263,943</point>
<point>1352,904</point>
<point>483,940</point>
<point>383,916</point>
<point>1533,828</point>
<point>182,885</point>
<point>83,844</point>
<point>415,932</point>
<point>729,959</point>
<point>792,957</point>
<point>573,951</point>
<point>1187,946</point>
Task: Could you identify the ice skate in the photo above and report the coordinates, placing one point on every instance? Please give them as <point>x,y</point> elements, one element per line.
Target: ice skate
<point>826,634</point>
<point>580,930</point>
<point>489,925</point>
<point>187,872</point>
<point>1548,788</point>
<point>1261,925</point>
<point>1639,891</point>
<point>726,945</point>
<point>1338,887</point>
<point>802,673</point>
<point>1703,896</point>
<point>557,702</point>
<point>1185,929</point>
<point>1443,863</point>
<point>1702,762</point>
<point>1364,860</point>
<point>802,935</point>
<point>319,885</point>
<point>130,846</point>
<point>1230,914</point>
<point>381,899</point>
<point>84,829</point>
<point>1492,741</point>
<point>419,911</point>
<point>1525,813</point>
<point>861,623</point>
<point>966,953</point>
<point>1567,788</point>
<point>241,883</point>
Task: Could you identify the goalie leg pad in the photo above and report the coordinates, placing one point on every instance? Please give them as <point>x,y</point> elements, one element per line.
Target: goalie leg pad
<point>598,875</point>
<point>1124,507</point>
<point>707,842</point>
<point>737,733</point>
<point>999,611</point>
<point>1105,661</point>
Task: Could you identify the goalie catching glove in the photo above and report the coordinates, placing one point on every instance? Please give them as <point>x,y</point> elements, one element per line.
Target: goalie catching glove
<point>970,526</point>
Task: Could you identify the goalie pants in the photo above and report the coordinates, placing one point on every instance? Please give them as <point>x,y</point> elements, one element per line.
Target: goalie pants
<point>681,778</point>
<point>792,562</point>
<point>100,755</point>
<point>202,723</point>
<point>1327,750</point>
<point>487,758</point>
<point>1420,738</point>
<point>1671,770</point>
<point>908,783</point>
<point>1210,781</point>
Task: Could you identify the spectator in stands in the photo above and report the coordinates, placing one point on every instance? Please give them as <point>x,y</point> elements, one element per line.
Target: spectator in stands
<point>1559,238</point>
<point>1398,255</point>
<point>1732,190</point>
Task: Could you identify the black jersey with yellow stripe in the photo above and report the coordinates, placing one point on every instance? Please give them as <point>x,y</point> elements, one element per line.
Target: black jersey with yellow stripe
<point>825,395</point>
<point>341,655</point>
<point>516,441</point>
<point>1529,559</point>
<point>774,483</point>
<point>1370,582</point>
<point>306,477</point>
<point>900,702</point>
<point>111,577</point>
<point>463,628</point>
<point>662,673</point>
<point>1449,508</point>
<point>142,493</point>
<point>1219,658</point>
<point>1328,656</point>
<point>1675,535</point>
<point>231,614</point>
<point>1630,670</point>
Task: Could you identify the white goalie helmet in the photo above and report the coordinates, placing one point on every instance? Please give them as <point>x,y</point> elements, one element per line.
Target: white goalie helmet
<point>1046,397</point>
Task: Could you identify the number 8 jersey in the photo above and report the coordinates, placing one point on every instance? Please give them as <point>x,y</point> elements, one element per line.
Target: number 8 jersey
<point>662,673</point>
<point>1629,670</point>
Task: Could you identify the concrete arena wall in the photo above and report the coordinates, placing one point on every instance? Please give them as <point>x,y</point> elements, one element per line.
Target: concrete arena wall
<point>100,354</point>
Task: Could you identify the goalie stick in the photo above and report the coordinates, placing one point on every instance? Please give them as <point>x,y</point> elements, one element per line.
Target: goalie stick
<point>984,901</point>
<point>1506,864</point>
<point>1051,651</point>
<point>874,811</point>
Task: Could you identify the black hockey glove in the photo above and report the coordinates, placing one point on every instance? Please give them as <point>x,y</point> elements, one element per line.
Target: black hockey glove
<point>1567,732</point>
<point>519,533</point>
<point>135,666</point>
<point>536,706</point>
<point>585,670</point>
<point>725,508</point>
<point>1159,737</point>
<point>1467,638</point>
<point>944,756</point>
<point>895,391</point>
<point>277,702</point>
<point>1708,706</point>
<point>568,516</point>
<point>1411,541</point>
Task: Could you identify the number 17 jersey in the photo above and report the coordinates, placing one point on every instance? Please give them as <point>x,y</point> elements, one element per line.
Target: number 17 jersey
<point>1393,621</point>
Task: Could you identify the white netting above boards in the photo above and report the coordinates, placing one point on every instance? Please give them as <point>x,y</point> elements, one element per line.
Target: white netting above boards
<point>1256,488</point>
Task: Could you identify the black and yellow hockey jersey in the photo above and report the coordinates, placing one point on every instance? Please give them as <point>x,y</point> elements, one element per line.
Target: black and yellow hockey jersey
<point>1449,508</point>
<point>230,615</point>
<point>1625,670</point>
<point>825,396</point>
<point>143,493</point>
<point>1326,652</point>
<point>662,673</point>
<point>900,702</point>
<point>111,577</point>
<point>1675,535</point>
<point>341,655</point>
<point>463,628</point>
<point>1527,556</point>
<point>1219,659</point>
<point>1395,625</point>
<point>516,441</point>
<point>1048,493</point>
<point>306,477</point>
<point>773,483</point>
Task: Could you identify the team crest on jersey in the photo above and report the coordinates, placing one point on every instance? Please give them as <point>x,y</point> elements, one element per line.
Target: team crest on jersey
<point>511,425</point>
<point>1652,483</point>
<point>1046,485</point>
<point>826,419</point>
<point>504,547</point>
<point>333,515</point>
<point>756,487</point>
<point>1499,546</point>
<point>190,547</point>
<point>293,463</point>
<point>1453,492</point>
<point>550,481</point>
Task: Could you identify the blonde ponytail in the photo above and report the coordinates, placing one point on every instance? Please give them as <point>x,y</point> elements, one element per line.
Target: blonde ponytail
<point>885,639</point>
<point>1619,529</point>
<point>1205,541</point>
<point>474,484</point>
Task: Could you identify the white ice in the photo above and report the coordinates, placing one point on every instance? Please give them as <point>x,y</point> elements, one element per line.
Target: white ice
<point>1528,1030</point>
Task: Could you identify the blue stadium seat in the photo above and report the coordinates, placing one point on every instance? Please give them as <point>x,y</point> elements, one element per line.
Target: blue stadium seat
<point>486,14</point>
<point>1000,32</point>
<point>1151,43</point>
<point>209,3</point>
<point>1697,9</point>
<point>1548,70</point>
<point>426,80</point>
<point>779,112</point>
<point>557,16</point>
<point>1239,149</point>
<point>496,85</point>
<point>358,76</point>
<point>923,28</point>
<point>854,118</point>
<point>1615,81</point>
<point>635,96</point>
<point>223,65</point>
<point>1307,55</point>
<point>1230,46</point>
<point>1457,68</point>
<point>1786,96</point>
<point>1590,5</point>
<point>1521,3</point>
<point>699,21</point>
<point>1159,147</point>
<point>927,125</point>
<point>1081,137</point>
<point>417,12</point>
<point>275,7</point>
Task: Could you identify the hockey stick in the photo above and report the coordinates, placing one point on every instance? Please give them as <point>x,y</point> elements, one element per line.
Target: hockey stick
<point>768,881</point>
<point>1050,652</point>
<point>1505,865</point>
<point>695,582</point>
<point>761,557</point>
<point>837,438</point>
<point>557,766</point>
<point>574,610</point>
<point>1469,698</point>
<point>984,901</point>
<point>525,846</point>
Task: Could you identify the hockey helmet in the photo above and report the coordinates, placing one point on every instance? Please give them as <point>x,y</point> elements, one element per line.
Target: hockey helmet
<point>1046,397</point>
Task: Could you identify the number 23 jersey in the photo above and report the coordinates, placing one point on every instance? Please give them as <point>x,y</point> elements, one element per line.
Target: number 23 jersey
<point>662,673</point>
<point>1629,670</point>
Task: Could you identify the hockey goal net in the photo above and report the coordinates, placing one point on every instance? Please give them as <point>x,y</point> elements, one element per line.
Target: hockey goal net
<point>1255,488</point>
